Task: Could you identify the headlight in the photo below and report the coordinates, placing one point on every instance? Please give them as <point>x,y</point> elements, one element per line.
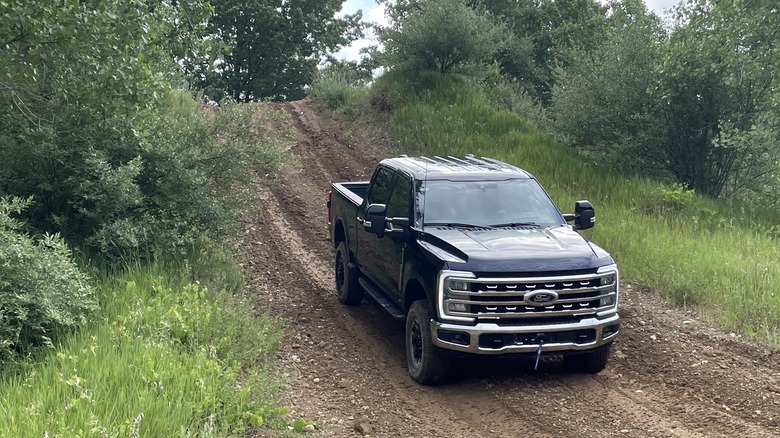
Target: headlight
<point>608,275</point>
<point>611,279</point>
<point>607,301</point>
<point>452,286</point>
<point>458,285</point>
<point>457,307</point>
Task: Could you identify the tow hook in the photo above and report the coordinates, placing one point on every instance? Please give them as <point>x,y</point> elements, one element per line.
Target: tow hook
<point>539,350</point>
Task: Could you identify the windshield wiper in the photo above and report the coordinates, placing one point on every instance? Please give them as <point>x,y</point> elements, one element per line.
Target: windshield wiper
<point>516,224</point>
<point>456,225</point>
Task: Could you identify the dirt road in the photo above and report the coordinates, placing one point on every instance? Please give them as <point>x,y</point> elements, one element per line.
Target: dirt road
<point>671,374</point>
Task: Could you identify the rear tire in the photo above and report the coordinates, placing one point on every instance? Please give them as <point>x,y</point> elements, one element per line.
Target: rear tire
<point>347,287</point>
<point>426,362</point>
<point>592,362</point>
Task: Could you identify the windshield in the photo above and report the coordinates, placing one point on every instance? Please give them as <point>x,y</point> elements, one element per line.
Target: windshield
<point>485,203</point>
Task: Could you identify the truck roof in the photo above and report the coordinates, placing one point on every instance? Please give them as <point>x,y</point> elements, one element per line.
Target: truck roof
<point>463,167</point>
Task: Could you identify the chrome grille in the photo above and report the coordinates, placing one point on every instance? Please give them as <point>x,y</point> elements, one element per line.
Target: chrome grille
<point>505,298</point>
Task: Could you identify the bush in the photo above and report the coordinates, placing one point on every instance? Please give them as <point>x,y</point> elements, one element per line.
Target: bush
<point>509,94</point>
<point>42,291</point>
<point>442,35</point>
<point>334,93</point>
<point>154,182</point>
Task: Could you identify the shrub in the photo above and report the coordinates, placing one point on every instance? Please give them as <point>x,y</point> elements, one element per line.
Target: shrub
<point>154,182</point>
<point>442,35</point>
<point>42,291</point>
<point>334,93</point>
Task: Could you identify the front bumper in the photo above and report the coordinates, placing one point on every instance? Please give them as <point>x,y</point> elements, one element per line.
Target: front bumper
<point>493,339</point>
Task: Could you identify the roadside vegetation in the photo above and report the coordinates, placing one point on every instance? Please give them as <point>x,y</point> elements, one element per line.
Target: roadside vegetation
<point>122,310</point>
<point>163,357</point>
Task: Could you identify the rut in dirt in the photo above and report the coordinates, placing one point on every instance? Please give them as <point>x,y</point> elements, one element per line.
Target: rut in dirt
<point>670,375</point>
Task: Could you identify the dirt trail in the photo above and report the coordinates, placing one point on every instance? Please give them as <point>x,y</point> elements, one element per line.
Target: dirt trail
<point>671,375</point>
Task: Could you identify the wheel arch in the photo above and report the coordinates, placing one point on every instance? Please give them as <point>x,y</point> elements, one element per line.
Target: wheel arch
<point>339,234</point>
<point>413,291</point>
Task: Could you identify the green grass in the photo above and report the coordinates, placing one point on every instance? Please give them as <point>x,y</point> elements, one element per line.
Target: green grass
<point>337,94</point>
<point>162,358</point>
<point>709,255</point>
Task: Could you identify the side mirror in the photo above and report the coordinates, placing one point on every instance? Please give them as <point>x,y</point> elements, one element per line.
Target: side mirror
<point>375,219</point>
<point>584,215</point>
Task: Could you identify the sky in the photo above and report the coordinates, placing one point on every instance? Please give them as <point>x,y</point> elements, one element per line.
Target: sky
<point>375,13</point>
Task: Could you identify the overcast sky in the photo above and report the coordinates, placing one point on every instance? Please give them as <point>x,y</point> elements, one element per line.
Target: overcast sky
<point>374,13</point>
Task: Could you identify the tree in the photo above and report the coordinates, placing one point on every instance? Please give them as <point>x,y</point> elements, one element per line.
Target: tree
<point>72,77</point>
<point>93,130</point>
<point>601,102</point>
<point>441,35</point>
<point>542,36</point>
<point>273,47</point>
<point>719,90</point>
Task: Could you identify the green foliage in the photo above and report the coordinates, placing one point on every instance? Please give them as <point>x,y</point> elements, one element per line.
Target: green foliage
<point>669,200</point>
<point>542,35</point>
<point>298,424</point>
<point>42,291</point>
<point>109,56</point>
<point>509,94</point>
<point>691,251</point>
<point>153,183</point>
<point>601,102</point>
<point>183,360</point>
<point>718,85</point>
<point>698,106</point>
<point>196,175</point>
<point>340,84</point>
<point>441,35</point>
<point>272,48</point>
<point>92,130</point>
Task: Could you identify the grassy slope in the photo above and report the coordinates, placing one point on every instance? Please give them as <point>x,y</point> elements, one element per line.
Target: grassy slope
<point>164,358</point>
<point>691,250</point>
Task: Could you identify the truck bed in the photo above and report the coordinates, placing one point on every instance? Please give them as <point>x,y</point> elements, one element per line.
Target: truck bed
<point>353,191</point>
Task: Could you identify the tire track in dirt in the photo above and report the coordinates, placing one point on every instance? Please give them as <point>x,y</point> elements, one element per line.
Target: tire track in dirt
<point>375,338</point>
<point>671,375</point>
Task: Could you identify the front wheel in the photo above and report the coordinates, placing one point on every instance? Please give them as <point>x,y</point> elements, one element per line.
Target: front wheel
<point>347,287</point>
<point>592,362</point>
<point>427,365</point>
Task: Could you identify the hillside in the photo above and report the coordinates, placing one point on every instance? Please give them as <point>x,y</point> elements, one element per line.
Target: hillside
<point>671,374</point>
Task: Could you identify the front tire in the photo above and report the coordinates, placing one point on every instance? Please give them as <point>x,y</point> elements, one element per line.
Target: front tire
<point>347,287</point>
<point>592,362</point>
<point>427,365</point>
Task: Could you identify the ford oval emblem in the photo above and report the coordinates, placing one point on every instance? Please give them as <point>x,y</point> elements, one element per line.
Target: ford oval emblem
<point>541,298</point>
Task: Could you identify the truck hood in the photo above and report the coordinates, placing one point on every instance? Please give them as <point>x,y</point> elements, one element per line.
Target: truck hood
<point>523,249</point>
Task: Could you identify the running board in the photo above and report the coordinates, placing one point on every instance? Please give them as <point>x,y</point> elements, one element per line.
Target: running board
<point>377,296</point>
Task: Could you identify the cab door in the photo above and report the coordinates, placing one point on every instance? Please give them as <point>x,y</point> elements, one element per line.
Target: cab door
<point>382,257</point>
<point>367,243</point>
<point>390,248</point>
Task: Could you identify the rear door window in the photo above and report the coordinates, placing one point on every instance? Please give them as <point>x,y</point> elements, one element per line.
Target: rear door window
<point>381,188</point>
<point>398,205</point>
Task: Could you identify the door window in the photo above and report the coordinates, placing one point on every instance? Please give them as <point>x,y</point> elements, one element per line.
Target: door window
<point>398,205</point>
<point>380,190</point>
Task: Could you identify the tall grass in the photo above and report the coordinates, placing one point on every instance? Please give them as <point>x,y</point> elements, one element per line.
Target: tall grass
<point>163,358</point>
<point>700,253</point>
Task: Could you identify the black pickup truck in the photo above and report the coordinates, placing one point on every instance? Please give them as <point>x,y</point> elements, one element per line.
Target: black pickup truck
<point>477,259</point>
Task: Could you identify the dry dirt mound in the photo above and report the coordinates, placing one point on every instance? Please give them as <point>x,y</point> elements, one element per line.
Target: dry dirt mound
<point>671,375</point>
